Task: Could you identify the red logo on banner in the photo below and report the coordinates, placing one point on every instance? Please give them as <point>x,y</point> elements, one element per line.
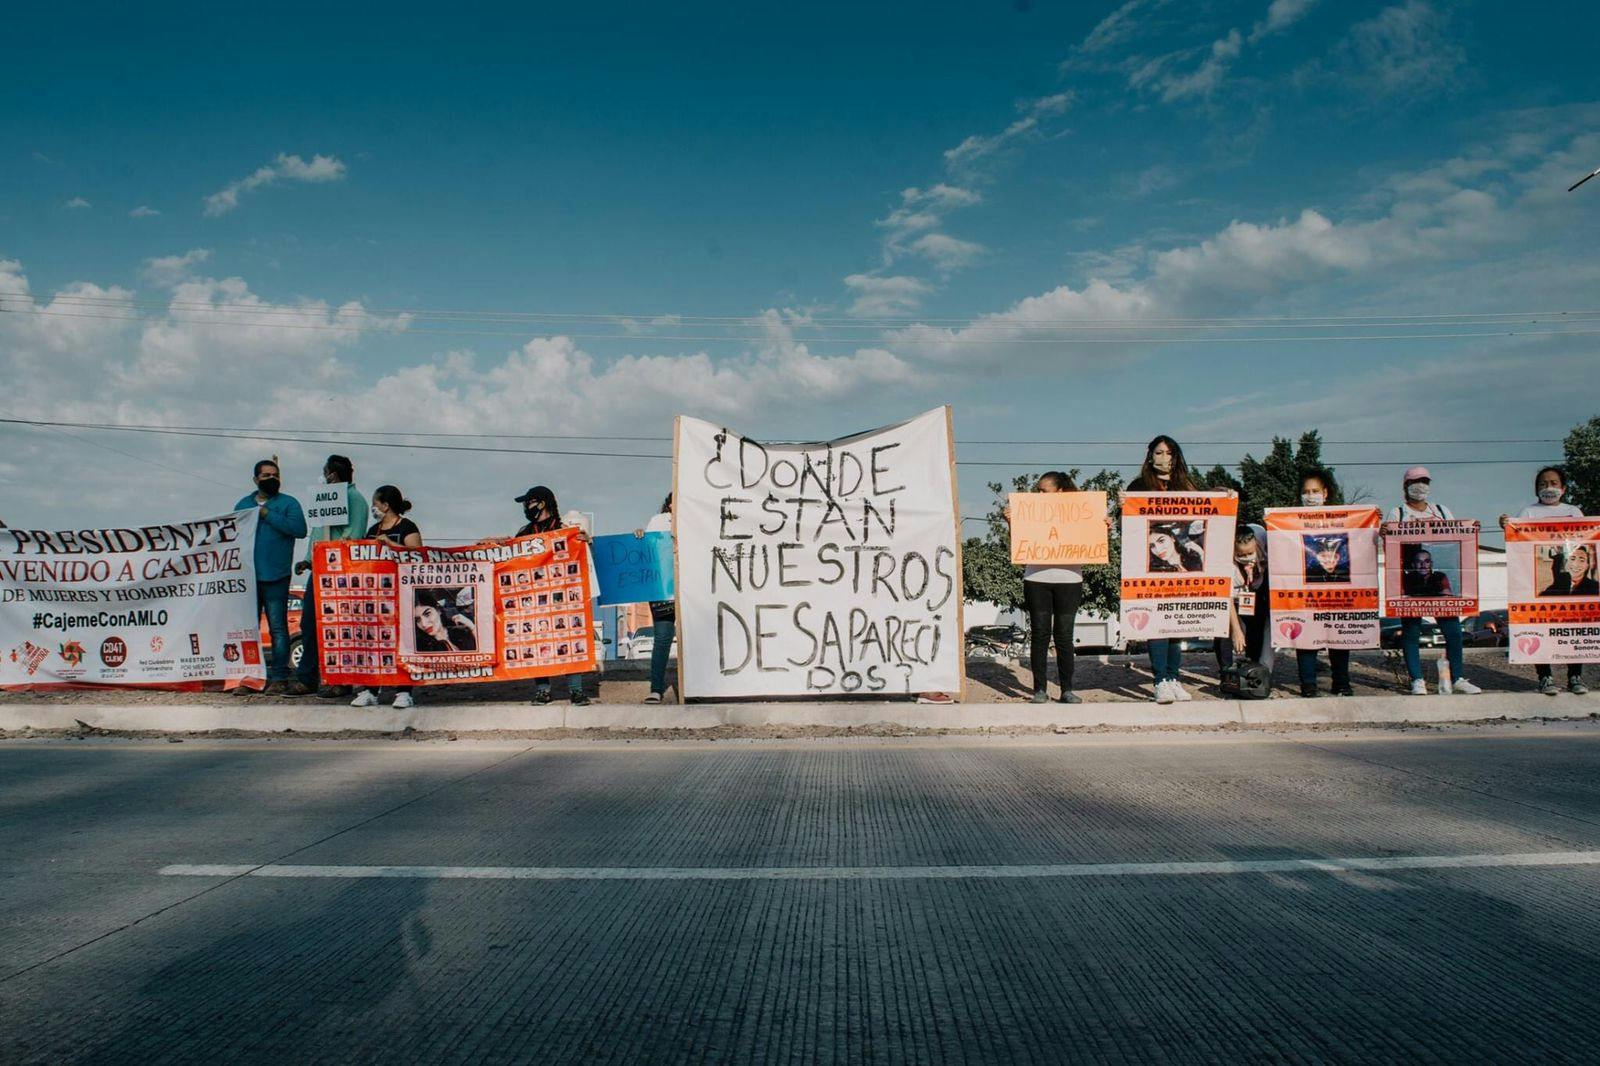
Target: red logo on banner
<point>113,651</point>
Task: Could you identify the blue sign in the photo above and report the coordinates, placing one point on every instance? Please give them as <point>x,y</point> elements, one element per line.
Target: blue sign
<point>633,569</point>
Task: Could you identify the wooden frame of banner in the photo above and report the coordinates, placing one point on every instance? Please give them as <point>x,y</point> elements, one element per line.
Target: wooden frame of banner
<point>677,603</point>
<point>961,583</point>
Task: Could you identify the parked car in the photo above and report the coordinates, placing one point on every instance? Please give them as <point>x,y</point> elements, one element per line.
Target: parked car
<point>642,644</point>
<point>1389,633</point>
<point>1491,629</point>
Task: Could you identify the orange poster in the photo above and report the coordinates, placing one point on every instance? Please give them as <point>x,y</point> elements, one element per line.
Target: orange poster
<point>1552,592</point>
<point>1058,528</point>
<point>479,612</point>
<point>1177,563</point>
<point>1322,566</point>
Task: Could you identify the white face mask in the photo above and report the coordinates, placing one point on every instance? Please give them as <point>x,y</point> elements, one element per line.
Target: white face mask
<point>1550,496</point>
<point>1417,491</point>
<point>1162,464</point>
<point>1313,499</point>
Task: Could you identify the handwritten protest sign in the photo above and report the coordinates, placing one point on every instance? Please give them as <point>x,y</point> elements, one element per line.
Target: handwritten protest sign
<point>1551,590</point>
<point>1323,568</point>
<point>1177,563</point>
<point>818,568</point>
<point>1058,528</point>
<point>160,604</point>
<point>1430,568</point>
<point>633,569</point>
<point>328,504</point>
<point>479,612</point>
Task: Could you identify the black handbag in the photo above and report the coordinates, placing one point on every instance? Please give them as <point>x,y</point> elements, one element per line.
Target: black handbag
<point>1246,681</point>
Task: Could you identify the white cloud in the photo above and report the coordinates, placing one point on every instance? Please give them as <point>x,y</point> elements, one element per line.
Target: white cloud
<point>168,270</point>
<point>877,295</point>
<point>1280,16</point>
<point>1404,49</point>
<point>945,252</point>
<point>1119,26</point>
<point>77,203</point>
<point>1205,78</point>
<point>319,169</point>
<point>143,212</point>
<point>977,148</point>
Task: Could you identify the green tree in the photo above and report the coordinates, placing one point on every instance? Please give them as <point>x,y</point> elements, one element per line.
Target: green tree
<point>1274,481</point>
<point>990,575</point>
<point>1582,448</point>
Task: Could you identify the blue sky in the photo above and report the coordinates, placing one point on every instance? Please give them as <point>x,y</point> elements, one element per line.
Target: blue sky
<point>889,208</point>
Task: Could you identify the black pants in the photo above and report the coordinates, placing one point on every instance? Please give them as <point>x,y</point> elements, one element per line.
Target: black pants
<point>1573,670</point>
<point>1255,639</point>
<point>1052,609</point>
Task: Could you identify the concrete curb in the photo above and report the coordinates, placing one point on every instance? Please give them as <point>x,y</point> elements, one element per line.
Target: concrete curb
<point>262,715</point>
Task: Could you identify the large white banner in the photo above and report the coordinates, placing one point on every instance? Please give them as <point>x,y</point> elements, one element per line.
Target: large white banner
<point>152,604</point>
<point>827,568</point>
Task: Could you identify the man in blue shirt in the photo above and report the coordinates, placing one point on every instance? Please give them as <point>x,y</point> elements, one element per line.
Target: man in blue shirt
<point>282,523</point>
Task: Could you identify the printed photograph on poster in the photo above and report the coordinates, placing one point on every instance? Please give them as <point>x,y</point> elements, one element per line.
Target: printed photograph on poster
<point>1327,558</point>
<point>1565,570</point>
<point>441,619</point>
<point>1177,547</point>
<point>444,619</point>
<point>1430,570</point>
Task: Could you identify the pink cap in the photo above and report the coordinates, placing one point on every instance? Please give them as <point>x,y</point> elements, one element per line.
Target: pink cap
<point>1417,473</point>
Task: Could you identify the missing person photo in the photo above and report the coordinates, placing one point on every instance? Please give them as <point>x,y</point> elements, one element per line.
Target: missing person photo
<point>1176,547</point>
<point>1426,568</point>
<point>1566,569</point>
<point>538,574</point>
<point>442,619</point>
<point>1327,558</point>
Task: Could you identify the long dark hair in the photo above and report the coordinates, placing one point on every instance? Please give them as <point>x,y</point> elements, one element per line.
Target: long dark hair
<point>552,509</point>
<point>1062,481</point>
<point>666,505</point>
<point>391,498</point>
<point>1179,479</point>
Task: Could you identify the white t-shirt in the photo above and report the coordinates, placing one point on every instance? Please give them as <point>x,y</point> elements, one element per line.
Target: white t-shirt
<point>1053,575</point>
<point>1550,510</point>
<point>659,523</point>
<point>1406,513</point>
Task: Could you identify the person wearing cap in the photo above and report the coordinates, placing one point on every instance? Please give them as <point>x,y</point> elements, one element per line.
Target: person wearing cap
<point>1417,484</point>
<point>539,507</point>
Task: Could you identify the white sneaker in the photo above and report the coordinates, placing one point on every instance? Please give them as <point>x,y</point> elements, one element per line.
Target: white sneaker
<point>1419,687</point>
<point>1464,687</point>
<point>365,698</point>
<point>403,700</point>
<point>1180,693</point>
<point>1164,692</point>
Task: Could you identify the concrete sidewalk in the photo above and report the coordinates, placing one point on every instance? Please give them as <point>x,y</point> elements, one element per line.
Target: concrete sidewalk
<point>259,715</point>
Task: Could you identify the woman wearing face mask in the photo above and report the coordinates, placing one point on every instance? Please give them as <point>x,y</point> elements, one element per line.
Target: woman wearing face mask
<point>1417,484</point>
<point>539,507</point>
<point>1316,489</point>
<point>1550,491</point>
<point>390,525</point>
<point>1052,593</point>
<point>1164,470</point>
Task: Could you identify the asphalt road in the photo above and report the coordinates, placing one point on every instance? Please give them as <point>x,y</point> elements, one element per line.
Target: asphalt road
<point>1101,898</point>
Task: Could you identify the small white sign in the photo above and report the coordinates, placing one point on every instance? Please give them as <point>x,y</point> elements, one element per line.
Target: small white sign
<point>328,504</point>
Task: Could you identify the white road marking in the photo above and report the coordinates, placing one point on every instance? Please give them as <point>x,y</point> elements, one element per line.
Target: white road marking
<point>893,873</point>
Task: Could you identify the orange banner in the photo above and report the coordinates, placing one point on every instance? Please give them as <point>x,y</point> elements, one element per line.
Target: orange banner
<point>480,612</point>
<point>1058,528</point>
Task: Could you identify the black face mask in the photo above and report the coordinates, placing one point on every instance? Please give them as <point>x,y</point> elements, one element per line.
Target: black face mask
<point>269,486</point>
<point>532,511</point>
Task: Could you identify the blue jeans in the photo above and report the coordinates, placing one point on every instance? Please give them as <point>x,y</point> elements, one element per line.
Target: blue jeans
<point>1338,659</point>
<point>1166,659</point>
<point>272,597</point>
<point>1411,638</point>
<point>665,630</point>
<point>309,672</point>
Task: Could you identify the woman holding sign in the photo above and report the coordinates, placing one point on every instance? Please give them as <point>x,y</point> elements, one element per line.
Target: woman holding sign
<point>1417,484</point>
<point>1549,491</point>
<point>1316,489</point>
<point>389,507</point>
<point>543,513</point>
<point>1164,470</point>
<point>1052,594</point>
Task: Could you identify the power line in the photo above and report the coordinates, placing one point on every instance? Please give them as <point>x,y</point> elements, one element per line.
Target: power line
<point>943,341</point>
<point>1021,463</point>
<point>660,320</point>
